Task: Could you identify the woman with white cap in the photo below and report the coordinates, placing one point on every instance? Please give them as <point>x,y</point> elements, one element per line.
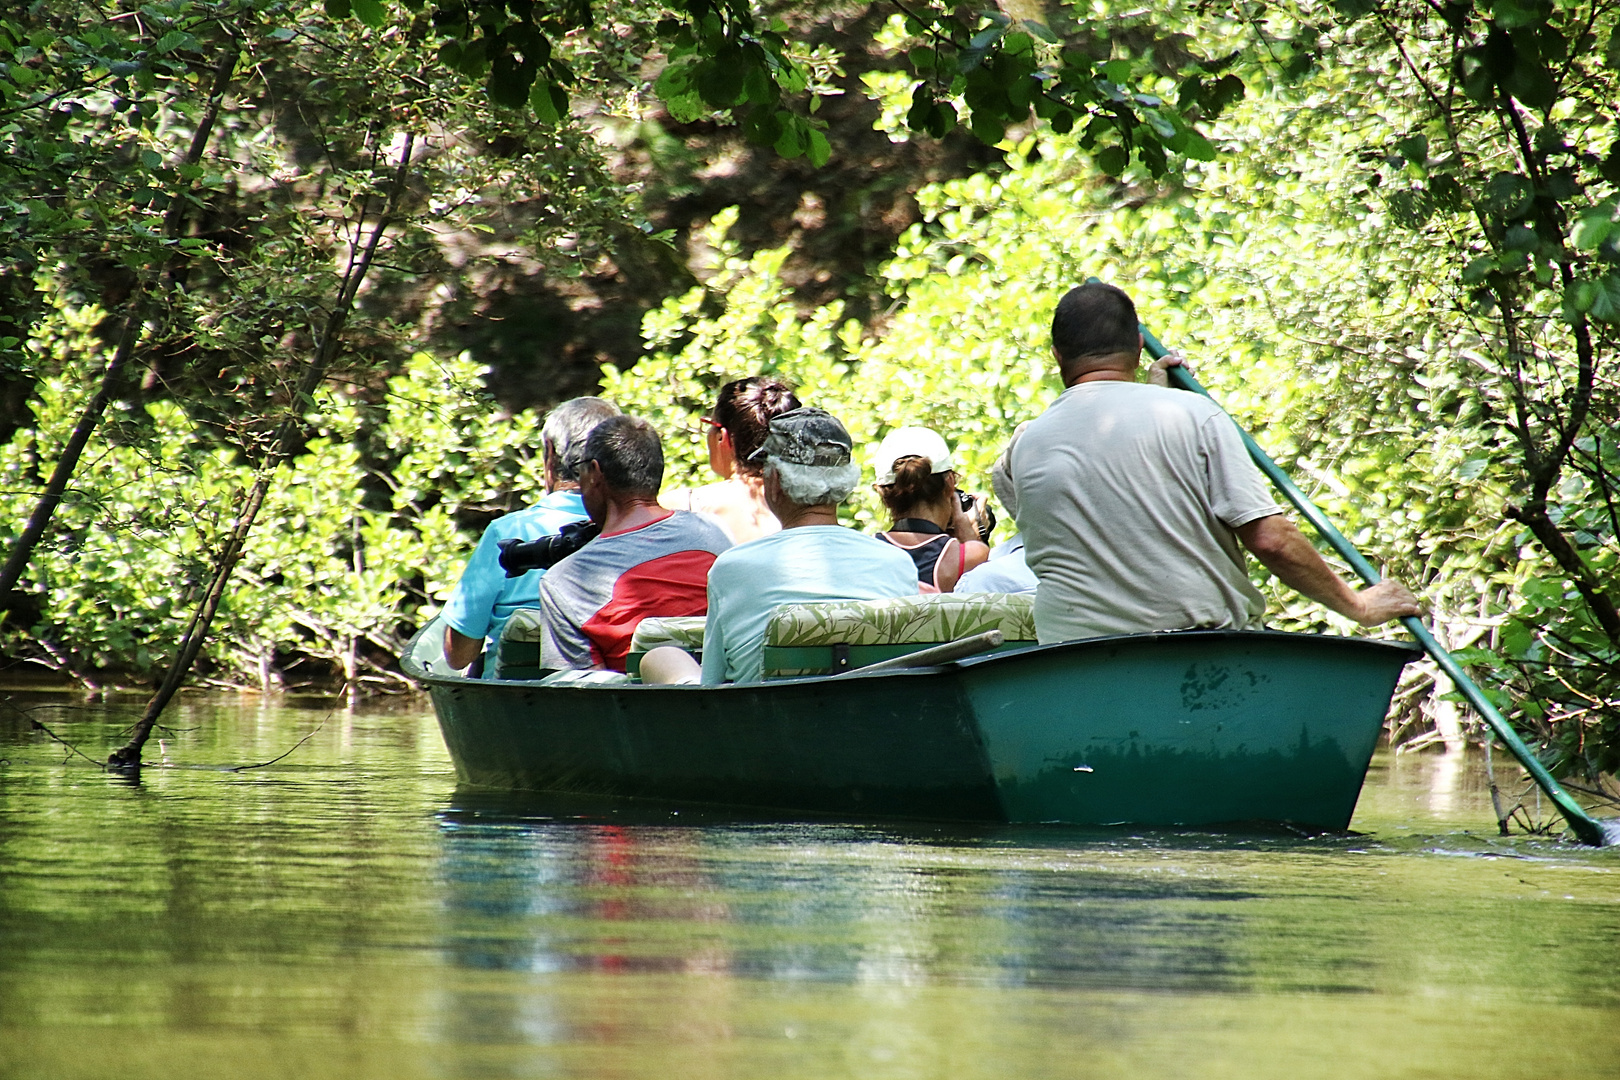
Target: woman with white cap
<point>917,482</point>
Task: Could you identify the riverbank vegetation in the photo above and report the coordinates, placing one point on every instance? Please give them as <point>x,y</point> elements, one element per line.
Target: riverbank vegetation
<point>340,257</point>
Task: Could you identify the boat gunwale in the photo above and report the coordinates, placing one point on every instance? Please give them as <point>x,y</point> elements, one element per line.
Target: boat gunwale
<point>421,676</point>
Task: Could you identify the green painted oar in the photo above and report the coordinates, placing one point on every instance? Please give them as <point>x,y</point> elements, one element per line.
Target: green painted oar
<point>1585,828</point>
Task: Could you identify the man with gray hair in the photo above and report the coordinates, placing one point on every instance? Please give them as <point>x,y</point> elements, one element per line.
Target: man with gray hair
<point>808,471</point>
<point>648,561</point>
<point>486,598</point>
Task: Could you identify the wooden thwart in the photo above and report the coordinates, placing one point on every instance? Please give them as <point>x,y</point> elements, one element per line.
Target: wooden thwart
<point>939,654</point>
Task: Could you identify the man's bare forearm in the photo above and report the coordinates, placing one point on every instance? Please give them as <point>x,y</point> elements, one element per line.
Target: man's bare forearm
<point>1283,549</point>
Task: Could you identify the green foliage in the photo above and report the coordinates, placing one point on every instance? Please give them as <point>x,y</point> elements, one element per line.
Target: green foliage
<point>245,236</point>
<point>1505,160</point>
<point>351,544</point>
<point>1131,94</point>
<point>221,174</point>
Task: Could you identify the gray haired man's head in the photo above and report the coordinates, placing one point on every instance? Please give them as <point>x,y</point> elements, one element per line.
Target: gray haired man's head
<point>809,452</point>
<point>566,429</point>
<point>630,454</point>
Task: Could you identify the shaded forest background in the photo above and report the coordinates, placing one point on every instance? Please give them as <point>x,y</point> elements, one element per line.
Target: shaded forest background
<point>315,271</point>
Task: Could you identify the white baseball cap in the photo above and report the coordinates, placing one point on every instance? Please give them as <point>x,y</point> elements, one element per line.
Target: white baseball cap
<point>911,442</point>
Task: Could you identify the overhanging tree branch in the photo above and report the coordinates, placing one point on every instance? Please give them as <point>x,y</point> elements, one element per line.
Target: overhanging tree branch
<point>361,259</point>
<point>137,310</point>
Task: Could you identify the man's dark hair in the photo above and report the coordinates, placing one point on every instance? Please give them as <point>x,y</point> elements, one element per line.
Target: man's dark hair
<point>745,407</point>
<point>566,429</point>
<point>629,453</point>
<point>1094,320</point>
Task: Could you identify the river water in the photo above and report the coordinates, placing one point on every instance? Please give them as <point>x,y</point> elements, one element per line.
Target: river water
<point>348,913</point>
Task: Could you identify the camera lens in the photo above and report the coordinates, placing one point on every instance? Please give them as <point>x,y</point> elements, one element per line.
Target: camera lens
<point>520,556</point>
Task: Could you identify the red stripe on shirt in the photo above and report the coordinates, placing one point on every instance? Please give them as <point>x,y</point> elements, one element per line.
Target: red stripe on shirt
<point>664,587</point>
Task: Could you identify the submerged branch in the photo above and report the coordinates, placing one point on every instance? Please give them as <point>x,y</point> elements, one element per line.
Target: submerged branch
<point>263,764</point>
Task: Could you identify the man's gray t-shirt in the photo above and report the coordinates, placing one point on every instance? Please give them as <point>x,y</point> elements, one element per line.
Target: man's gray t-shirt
<point>1128,496</point>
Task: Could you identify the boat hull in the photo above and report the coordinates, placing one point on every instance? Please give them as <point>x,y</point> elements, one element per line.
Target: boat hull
<point>1184,729</point>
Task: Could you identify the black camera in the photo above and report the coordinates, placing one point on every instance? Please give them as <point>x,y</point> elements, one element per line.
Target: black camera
<point>520,556</point>
<point>983,518</point>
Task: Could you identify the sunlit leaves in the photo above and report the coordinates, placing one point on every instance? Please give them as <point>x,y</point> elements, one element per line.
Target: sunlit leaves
<point>1594,227</point>
<point>722,61</point>
<point>333,576</point>
<point>1529,148</point>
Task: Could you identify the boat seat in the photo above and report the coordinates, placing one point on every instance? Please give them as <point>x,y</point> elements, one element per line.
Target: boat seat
<point>682,631</point>
<point>517,651</point>
<point>585,677</point>
<point>832,636</point>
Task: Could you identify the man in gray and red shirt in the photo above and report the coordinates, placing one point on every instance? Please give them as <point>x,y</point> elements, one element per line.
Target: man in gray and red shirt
<point>648,561</point>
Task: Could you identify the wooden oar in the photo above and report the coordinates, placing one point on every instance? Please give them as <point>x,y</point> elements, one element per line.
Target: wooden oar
<point>1585,828</point>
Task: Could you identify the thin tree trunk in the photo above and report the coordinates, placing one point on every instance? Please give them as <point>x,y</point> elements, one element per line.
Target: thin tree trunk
<point>1543,467</point>
<point>128,756</point>
<point>139,303</point>
<point>1556,544</point>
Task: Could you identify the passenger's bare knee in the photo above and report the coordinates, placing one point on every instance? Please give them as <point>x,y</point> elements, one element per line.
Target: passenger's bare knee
<point>669,665</point>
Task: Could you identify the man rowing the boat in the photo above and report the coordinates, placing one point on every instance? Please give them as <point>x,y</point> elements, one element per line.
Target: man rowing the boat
<point>486,597</point>
<point>1136,501</point>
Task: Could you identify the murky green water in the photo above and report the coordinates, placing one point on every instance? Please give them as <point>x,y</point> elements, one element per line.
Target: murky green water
<point>347,913</point>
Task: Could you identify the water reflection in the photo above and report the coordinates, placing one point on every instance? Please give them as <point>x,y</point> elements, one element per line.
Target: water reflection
<point>546,889</point>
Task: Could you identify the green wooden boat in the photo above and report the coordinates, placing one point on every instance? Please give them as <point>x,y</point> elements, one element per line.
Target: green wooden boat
<point>1192,728</point>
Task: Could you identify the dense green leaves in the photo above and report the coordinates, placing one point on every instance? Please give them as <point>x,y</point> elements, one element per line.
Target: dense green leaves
<point>217,192</point>
<point>353,545</point>
<point>722,60</point>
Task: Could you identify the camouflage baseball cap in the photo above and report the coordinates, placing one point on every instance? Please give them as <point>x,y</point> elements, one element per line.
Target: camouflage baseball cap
<point>805,436</point>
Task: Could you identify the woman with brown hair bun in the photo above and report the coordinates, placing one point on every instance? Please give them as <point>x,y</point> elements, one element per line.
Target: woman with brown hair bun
<point>917,482</point>
<point>737,427</point>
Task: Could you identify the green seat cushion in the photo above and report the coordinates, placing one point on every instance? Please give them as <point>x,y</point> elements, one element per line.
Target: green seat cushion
<point>681,631</point>
<point>685,631</point>
<point>585,678</point>
<point>933,618</point>
<point>517,651</point>
<point>810,639</point>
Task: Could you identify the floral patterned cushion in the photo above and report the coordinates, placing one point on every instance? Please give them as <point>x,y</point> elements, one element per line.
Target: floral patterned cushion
<point>685,631</point>
<point>517,654</point>
<point>524,625</point>
<point>517,651</point>
<point>585,678</point>
<point>929,619</point>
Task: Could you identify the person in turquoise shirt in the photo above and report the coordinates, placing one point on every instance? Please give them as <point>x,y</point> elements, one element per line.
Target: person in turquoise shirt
<point>486,598</point>
<point>808,472</point>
